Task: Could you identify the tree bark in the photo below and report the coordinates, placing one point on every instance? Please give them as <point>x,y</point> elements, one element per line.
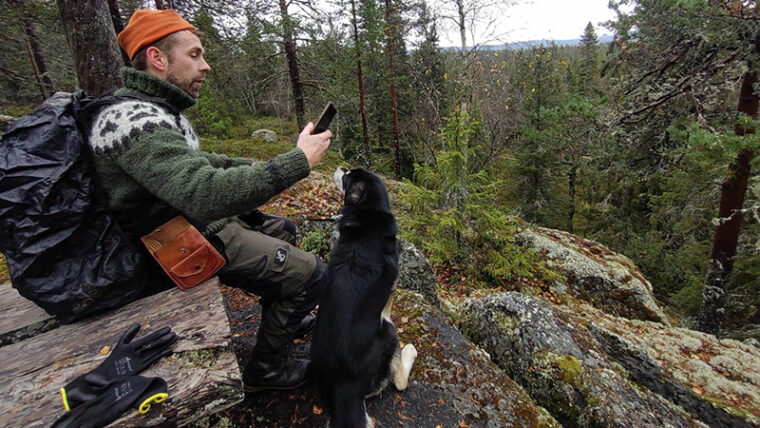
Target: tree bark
<point>91,37</point>
<point>392,79</point>
<point>290,53</point>
<point>730,215</point>
<point>118,26</point>
<point>462,25</point>
<point>360,78</point>
<point>572,174</point>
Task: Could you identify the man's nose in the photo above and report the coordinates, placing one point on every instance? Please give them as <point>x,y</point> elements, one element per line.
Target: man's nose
<point>204,66</point>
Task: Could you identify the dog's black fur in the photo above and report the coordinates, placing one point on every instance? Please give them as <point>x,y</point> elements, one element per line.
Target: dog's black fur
<point>354,344</point>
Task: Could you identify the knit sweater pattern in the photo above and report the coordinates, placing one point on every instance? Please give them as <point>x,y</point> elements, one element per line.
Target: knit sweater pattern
<point>148,163</point>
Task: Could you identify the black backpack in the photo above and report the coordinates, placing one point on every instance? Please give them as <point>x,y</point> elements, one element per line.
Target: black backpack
<point>64,249</point>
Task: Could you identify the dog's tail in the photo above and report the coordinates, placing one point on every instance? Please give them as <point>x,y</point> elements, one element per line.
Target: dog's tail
<point>348,409</point>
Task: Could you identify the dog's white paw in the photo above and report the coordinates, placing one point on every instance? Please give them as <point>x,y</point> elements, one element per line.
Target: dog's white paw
<point>408,354</point>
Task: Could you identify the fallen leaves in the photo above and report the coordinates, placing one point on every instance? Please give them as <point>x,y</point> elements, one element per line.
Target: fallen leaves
<point>314,197</point>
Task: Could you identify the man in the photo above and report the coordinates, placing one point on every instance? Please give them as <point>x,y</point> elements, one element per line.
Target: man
<point>147,161</point>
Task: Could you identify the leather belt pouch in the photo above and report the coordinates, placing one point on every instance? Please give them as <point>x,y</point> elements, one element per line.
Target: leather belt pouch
<point>183,253</point>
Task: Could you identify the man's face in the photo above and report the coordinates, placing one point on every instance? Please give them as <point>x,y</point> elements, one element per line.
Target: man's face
<point>186,67</point>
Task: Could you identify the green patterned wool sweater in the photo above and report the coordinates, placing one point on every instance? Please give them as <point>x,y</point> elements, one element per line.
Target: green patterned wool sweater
<point>149,166</point>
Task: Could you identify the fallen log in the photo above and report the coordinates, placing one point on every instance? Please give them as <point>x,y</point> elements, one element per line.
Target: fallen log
<point>202,376</point>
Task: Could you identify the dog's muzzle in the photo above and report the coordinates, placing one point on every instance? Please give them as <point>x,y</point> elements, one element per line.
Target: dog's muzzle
<point>338,176</point>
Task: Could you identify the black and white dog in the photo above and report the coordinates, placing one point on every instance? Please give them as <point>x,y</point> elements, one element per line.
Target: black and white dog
<point>355,349</point>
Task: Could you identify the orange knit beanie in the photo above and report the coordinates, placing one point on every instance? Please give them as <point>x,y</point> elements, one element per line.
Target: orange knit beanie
<point>147,26</point>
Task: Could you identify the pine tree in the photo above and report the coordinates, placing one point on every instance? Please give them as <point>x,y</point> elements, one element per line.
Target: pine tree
<point>589,60</point>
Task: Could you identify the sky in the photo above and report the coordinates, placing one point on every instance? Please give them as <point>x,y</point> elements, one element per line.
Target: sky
<point>542,20</point>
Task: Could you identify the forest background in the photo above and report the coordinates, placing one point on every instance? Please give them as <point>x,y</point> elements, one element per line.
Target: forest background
<point>635,143</point>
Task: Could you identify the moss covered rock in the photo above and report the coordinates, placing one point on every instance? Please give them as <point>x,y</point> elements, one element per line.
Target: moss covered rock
<point>608,280</point>
<point>590,368</point>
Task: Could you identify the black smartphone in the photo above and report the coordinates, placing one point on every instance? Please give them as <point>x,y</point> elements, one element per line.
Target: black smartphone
<point>324,119</point>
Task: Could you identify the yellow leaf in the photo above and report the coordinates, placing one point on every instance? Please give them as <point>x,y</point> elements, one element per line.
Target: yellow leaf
<point>106,349</point>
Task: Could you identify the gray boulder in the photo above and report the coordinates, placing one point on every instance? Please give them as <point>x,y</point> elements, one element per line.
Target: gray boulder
<point>608,280</point>
<point>589,368</point>
<point>415,272</point>
<point>265,135</point>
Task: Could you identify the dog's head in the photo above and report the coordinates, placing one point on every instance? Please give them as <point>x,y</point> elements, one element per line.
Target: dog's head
<point>362,189</point>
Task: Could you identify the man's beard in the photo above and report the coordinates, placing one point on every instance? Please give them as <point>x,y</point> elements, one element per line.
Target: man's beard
<point>186,87</point>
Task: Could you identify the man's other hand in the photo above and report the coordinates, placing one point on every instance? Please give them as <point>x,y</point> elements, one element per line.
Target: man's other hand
<point>313,146</point>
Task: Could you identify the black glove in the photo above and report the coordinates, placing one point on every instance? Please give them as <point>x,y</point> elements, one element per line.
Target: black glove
<point>127,358</point>
<point>110,398</point>
<point>254,218</point>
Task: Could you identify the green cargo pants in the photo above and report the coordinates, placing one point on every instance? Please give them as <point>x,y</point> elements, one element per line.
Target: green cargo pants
<point>263,260</point>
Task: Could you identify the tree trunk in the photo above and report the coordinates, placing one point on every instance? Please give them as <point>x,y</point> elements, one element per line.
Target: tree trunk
<point>160,5</point>
<point>290,53</point>
<point>118,26</point>
<point>360,78</point>
<point>571,176</point>
<point>37,60</point>
<point>462,25</point>
<point>91,37</point>
<point>392,78</point>
<point>730,215</point>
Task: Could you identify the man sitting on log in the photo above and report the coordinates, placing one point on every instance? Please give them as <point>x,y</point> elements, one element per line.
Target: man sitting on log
<point>148,163</point>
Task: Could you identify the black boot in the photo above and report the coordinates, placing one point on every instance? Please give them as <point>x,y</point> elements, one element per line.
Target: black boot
<point>278,373</point>
<point>306,325</point>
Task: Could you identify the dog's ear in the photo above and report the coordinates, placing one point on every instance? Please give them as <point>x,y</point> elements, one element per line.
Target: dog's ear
<point>355,192</point>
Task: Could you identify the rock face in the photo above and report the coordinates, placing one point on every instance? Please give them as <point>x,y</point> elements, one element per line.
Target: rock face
<point>608,280</point>
<point>589,368</point>
<point>415,273</point>
<point>453,382</point>
<point>607,356</point>
<point>266,135</point>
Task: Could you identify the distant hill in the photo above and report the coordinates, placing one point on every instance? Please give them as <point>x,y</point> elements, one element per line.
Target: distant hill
<point>530,43</point>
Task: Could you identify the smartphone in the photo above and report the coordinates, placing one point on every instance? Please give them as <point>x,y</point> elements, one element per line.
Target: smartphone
<point>324,119</point>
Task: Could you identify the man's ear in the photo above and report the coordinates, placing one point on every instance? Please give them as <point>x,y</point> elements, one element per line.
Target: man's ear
<point>156,59</point>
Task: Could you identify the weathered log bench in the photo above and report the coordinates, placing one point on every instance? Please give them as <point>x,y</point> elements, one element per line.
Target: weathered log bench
<point>39,355</point>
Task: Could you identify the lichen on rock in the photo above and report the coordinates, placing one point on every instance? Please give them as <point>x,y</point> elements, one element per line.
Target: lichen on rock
<point>608,280</point>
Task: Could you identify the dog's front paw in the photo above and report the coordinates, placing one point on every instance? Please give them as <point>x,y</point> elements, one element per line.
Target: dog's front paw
<point>408,354</point>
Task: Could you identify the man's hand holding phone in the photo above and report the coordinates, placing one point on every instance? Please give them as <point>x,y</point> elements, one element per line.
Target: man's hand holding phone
<point>313,144</point>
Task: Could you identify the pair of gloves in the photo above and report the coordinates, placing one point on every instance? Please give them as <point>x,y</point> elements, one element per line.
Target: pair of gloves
<point>97,398</point>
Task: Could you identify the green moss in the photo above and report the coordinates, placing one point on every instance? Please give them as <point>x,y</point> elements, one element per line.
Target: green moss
<point>4,273</point>
<point>570,370</point>
<point>506,322</point>
<point>200,357</point>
